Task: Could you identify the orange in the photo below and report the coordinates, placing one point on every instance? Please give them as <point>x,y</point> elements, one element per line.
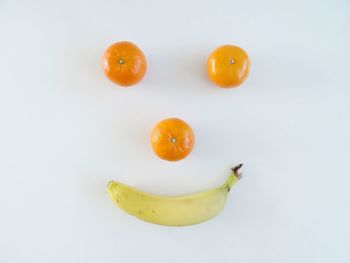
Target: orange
<point>172,139</point>
<point>124,63</point>
<point>228,66</point>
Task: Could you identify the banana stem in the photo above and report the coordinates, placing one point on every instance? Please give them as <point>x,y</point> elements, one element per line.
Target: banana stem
<point>234,177</point>
<point>236,172</point>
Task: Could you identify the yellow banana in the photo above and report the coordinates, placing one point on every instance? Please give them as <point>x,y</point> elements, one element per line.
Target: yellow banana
<point>172,210</point>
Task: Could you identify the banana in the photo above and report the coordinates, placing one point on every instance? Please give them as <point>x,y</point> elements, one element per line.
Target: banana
<point>172,210</point>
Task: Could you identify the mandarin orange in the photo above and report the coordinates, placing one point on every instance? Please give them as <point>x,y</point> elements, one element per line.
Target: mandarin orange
<point>172,139</point>
<point>228,66</point>
<point>124,63</point>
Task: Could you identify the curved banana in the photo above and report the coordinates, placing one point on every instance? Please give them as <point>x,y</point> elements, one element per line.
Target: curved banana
<point>172,210</point>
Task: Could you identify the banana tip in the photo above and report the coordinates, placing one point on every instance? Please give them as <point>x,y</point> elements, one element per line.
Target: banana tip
<point>109,183</point>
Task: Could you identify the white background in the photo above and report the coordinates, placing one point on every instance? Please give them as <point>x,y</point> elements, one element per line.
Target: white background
<point>66,130</point>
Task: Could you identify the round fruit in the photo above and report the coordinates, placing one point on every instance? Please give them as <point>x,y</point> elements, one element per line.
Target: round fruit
<point>124,63</point>
<point>172,139</point>
<point>228,66</point>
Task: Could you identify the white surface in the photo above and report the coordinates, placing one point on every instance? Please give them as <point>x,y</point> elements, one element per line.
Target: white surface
<point>66,130</point>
